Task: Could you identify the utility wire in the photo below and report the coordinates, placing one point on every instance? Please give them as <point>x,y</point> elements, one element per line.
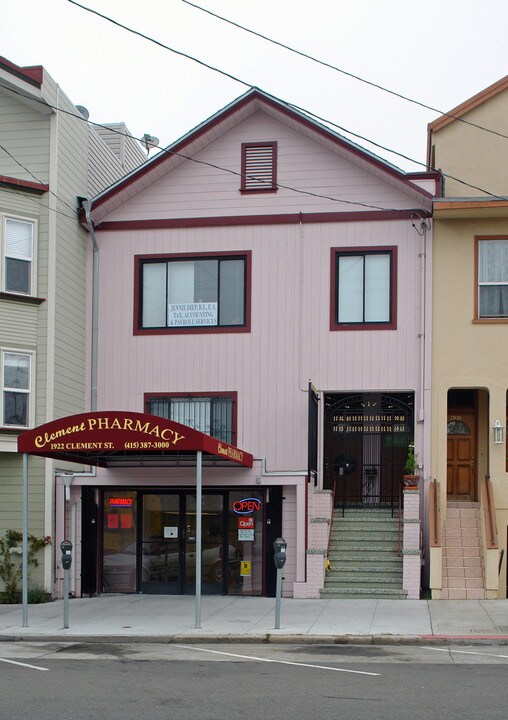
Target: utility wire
<point>15,191</point>
<point>2,147</point>
<point>340,70</point>
<point>246,84</point>
<point>168,151</point>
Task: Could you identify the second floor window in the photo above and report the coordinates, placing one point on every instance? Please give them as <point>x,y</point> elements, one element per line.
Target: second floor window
<point>364,289</point>
<point>210,414</point>
<point>193,293</point>
<point>492,260</point>
<point>16,387</point>
<point>18,256</point>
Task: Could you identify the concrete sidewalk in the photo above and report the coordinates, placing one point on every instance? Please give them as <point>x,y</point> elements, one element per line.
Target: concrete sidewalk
<point>171,618</point>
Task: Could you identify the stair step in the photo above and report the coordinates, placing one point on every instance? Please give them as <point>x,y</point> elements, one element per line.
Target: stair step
<point>360,546</point>
<point>365,594</point>
<point>349,570</point>
<point>364,556</point>
<point>343,583</point>
<point>356,529</point>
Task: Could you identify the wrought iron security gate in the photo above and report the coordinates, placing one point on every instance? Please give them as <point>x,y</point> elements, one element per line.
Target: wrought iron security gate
<point>365,447</point>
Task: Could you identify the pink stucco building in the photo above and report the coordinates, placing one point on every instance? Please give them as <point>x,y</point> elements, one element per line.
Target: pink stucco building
<point>265,281</point>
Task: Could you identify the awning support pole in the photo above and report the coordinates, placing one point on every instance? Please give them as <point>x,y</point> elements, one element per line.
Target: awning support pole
<point>199,479</point>
<point>25,541</point>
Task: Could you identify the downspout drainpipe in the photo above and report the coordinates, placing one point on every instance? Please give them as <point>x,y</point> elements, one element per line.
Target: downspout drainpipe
<point>95,305</point>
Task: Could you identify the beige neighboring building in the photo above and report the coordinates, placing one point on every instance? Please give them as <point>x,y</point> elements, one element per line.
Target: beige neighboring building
<point>469,520</point>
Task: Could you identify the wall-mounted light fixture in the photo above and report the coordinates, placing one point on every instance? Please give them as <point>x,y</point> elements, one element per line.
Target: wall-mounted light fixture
<point>498,432</point>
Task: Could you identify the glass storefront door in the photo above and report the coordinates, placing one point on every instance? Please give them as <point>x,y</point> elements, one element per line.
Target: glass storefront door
<point>168,543</point>
<point>149,543</point>
<point>161,570</point>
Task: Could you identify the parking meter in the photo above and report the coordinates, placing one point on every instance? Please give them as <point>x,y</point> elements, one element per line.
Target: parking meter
<point>279,558</point>
<point>66,548</point>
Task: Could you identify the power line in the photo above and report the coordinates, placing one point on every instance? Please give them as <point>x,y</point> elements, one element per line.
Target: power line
<point>246,84</point>
<point>2,147</point>
<point>168,151</point>
<point>15,191</point>
<point>340,70</point>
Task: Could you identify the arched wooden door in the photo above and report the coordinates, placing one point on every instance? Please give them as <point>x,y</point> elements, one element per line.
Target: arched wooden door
<point>461,456</point>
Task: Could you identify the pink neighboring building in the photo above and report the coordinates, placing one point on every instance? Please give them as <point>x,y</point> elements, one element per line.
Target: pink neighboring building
<point>263,280</point>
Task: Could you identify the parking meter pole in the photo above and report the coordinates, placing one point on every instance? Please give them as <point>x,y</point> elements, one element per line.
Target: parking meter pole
<point>279,558</point>
<point>66,548</point>
<point>278,594</point>
<point>24,589</point>
<point>199,490</point>
<point>66,599</point>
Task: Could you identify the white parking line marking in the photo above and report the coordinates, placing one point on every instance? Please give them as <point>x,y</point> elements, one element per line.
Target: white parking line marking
<point>280,662</point>
<point>32,667</point>
<point>466,652</point>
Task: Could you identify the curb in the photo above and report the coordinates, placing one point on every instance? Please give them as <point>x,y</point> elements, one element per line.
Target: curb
<point>263,639</point>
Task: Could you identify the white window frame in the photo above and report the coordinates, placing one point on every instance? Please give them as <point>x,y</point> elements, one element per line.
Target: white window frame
<point>481,314</point>
<point>4,217</point>
<point>30,391</point>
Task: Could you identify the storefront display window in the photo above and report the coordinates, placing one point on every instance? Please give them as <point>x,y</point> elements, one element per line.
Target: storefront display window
<point>119,541</point>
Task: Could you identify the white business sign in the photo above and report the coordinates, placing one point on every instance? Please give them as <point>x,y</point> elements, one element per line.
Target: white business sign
<point>186,314</point>
<point>246,535</point>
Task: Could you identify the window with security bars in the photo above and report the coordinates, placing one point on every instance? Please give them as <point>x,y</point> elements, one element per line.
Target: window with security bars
<point>18,255</point>
<point>259,167</point>
<point>210,414</point>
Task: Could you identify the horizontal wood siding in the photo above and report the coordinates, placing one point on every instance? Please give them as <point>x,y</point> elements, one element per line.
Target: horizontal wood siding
<point>18,324</point>
<point>11,475</point>
<point>105,167</point>
<point>24,132</point>
<point>201,189</point>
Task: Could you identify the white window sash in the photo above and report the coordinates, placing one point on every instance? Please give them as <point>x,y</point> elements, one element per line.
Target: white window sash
<point>18,242</point>
<point>8,388</point>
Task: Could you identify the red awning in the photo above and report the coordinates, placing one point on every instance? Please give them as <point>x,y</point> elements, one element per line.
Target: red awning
<point>115,438</point>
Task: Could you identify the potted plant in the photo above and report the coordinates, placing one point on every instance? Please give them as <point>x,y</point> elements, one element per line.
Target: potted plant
<point>411,476</point>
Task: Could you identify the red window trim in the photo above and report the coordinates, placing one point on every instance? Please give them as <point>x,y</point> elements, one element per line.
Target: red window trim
<point>477,320</point>
<point>377,249</point>
<point>213,394</point>
<point>246,328</point>
<point>268,189</point>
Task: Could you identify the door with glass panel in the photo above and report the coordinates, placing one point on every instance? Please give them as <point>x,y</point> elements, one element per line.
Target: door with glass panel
<point>168,544</point>
<point>160,563</point>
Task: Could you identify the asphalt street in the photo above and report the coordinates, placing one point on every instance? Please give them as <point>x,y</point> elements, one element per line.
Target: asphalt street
<point>129,681</point>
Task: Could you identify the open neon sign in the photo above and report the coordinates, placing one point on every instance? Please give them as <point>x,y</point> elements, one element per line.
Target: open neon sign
<point>246,506</point>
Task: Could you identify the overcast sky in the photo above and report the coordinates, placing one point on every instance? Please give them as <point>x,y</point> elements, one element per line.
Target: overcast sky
<point>439,52</point>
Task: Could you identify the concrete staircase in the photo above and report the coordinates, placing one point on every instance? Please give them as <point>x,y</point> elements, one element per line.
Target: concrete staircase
<point>363,556</point>
<point>463,574</point>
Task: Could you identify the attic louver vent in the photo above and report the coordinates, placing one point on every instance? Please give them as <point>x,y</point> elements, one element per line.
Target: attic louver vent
<point>259,167</point>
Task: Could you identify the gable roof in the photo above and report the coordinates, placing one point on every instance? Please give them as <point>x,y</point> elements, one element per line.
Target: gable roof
<point>215,126</point>
<point>469,105</point>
